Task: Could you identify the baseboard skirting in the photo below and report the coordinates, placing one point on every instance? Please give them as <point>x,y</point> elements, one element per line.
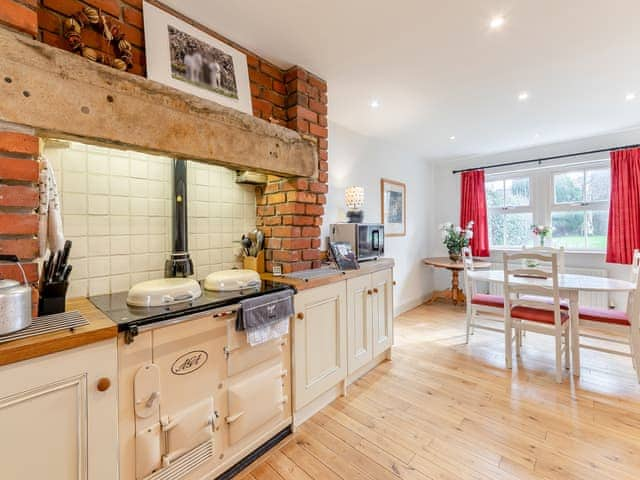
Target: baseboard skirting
<point>411,304</point>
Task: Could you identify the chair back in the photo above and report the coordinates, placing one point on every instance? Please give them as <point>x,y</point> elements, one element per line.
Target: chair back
<point>548,250</point>
<point>467,262</point>
<point>541,283</point>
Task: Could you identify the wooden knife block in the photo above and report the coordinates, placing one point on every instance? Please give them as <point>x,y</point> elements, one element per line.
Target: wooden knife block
<point>255,263</point>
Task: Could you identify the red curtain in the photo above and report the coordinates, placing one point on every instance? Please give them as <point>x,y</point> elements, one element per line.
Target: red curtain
<point>473,206</point>
<point>624,211</point>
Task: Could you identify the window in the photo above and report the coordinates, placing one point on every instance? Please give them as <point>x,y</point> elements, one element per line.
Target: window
<point>580,211</point>
<point>574,201</point>
<point>510,213</point>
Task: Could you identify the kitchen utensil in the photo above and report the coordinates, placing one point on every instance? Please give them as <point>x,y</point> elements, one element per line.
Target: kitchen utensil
<point>253,236</point>
<point>64,258</point>
<point>246,245</point>
<point>260,239</point>
<point>15,301</point>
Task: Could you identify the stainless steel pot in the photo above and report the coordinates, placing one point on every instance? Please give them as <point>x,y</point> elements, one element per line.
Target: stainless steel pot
<point>15,302</point>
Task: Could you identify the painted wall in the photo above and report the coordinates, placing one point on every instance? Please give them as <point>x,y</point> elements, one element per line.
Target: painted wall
<point>447,195</point>
<point>363,161</point>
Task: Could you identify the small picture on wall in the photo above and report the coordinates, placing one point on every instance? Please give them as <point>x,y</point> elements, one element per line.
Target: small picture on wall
<point>394,207</point>
<point>184,57</point>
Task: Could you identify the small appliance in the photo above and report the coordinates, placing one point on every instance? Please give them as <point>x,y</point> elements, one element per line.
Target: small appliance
<point>366,239</point>
<point>15,301</point>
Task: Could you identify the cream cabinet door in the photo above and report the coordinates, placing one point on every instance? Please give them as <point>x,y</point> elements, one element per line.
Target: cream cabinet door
<point>320,341</point>
<point>55,423</point>
<point>359,324</point>
<point>382,311</point>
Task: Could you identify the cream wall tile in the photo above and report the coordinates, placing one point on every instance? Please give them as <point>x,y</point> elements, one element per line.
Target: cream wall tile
<point>99,286</point>
<point>98,225</point>
<point>119,166</point>
<point>74,203</point>
<point>74,224</point>
<point>119,186</point>
<point>75,182</point>
<point>120,264</point>
<point>98,246</point>
<point>120,206</point>
<point>120,245</point>
<point>98,205</point>
<point>98,163</point>
<point>98,267</point>
<point>98,184</point>
<point>119,225</point>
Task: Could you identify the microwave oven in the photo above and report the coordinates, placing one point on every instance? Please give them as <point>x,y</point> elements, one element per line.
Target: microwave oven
<point>366,239</point>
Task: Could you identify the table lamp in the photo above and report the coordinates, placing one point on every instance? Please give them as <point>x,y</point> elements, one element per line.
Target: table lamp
<point>354,198</point>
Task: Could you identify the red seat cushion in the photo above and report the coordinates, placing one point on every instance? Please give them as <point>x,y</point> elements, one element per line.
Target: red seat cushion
<point>564,304</point>
<point>616,317</point>
<point>537,315</point>
<point>488,300</point>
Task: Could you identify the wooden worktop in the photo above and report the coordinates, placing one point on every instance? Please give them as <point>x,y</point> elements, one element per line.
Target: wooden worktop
<point>99,328</point>
<point>365,269</point>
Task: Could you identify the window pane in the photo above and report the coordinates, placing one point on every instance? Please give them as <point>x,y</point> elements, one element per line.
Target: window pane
<point>598,185</point>
<point>495,193</point>
<point>568,187</point>
<point>496,229</point>
<point>597,223</point>
<point>517,227</point>
<point>517,192</point>
<point>568,231</point>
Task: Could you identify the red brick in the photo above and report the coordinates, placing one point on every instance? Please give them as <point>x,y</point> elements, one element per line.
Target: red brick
<point>290,208</point>
<point>294,184</point>
<point>323,143</point>
<point>323,177</point>
<point>318,221</point>
<point>318,83</point>
<point>311,255</point>
<point>266,211</point>
<point>66,7</point>
<point>295,243</point>
<point>273,243</point>
<point>272,221</point>
<point>13,271</point>
<point>18,169</point>
<point>314,209</point>
<point>297,86</point>
<point>54,40</point>
<point>252,61</point>
<point>133,34</point>
<point>272,187</point>
<point>260,78</point>
<point>286,232</point>
<point>318,187</point>
<point>318,131</point>
<point>315,243</point>
<point>323,155</point>
<point>18,224</point>
<point>324,98</point>
<point>313,92</point>
<point>49,21</point>
<point>297,98</point>
<point>302,197</point>
<point>304,113</point>
<point>24,248</point>
<point>256,89</point>
<point>295,267</point>
<point>134,3</point>
<point>109,6</point>
<point>18,196</point>
<point>276,198</point>
<point>317,107</point>
<point>295,72</point>
<point>280,114</point>
<point>279,87</point>
<point>262,106</point>
<point>273,97</point>
<point>132,17</point>
<point>310,232</point>
<point>22,143</point>
<point>272,71</point>
<point>299,125</point>
<point>297,220</point>
<point>323,166</point>
<point>286,256</point>
<point>322,121</point>
<point>19,17</point>
<point>321,199</point>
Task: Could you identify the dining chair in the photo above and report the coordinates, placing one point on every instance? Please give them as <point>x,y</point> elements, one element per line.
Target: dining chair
<point>527,307</point>
<point>616,322</point>
<point>564,304</point>
<point>480,306</point>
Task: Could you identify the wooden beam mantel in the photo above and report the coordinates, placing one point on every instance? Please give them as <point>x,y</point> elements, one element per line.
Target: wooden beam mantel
<point>64,95</point>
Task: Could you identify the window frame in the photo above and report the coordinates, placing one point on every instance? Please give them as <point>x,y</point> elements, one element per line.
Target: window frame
<point>542,197</point>
<point>505,210</point>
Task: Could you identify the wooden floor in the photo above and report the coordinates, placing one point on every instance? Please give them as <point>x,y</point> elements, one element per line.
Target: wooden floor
<point>445,410</point>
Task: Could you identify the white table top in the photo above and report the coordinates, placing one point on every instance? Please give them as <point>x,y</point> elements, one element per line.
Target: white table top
<point>566,281</point>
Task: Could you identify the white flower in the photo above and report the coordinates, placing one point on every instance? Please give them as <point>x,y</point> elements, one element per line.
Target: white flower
<point>468,234</point>
<point>458,230</point>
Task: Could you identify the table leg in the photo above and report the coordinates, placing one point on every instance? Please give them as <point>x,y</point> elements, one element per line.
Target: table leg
<point>455,286</point>
<point>575,332</point>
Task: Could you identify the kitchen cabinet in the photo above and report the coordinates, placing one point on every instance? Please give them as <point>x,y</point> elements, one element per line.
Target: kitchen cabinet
<point>359,322</point>
<point>319,341</point>
<point>382,310</point>
<point>59,415</point>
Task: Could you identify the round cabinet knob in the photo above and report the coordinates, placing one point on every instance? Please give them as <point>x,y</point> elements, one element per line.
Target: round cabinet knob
<point>369,292</point>
<point>104,384</point>
<point>395,283</point>
<point>300,316</point>
<point>375,290</point>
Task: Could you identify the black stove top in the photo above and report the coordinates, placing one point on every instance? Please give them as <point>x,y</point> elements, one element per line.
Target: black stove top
<point>115,305</point>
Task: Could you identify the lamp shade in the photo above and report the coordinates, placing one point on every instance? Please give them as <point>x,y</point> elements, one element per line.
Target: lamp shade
<point>354,197</point>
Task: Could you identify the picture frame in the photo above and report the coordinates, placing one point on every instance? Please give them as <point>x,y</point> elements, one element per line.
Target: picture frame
<point>183,57</point>
<point>393,199</point>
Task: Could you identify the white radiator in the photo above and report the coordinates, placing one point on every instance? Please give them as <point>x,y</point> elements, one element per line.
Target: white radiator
<point>587,299</point>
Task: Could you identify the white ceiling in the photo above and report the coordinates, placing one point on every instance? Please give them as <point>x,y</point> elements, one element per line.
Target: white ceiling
<point>438,70</point>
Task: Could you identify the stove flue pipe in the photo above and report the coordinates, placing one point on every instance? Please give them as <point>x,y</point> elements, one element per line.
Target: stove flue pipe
<point>179,264</point>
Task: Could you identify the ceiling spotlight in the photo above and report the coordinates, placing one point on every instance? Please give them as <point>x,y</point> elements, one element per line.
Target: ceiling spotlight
<point>630,96</point>
<point>452,138</point>
<point>522,96</point>
<point>496,22</point>
<point>374,103</point>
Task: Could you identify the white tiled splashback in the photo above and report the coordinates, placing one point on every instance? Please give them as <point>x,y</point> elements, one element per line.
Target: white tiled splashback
<point>116,208</point>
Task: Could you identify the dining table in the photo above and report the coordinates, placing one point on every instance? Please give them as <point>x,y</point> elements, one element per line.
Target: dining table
<point>570,285</point>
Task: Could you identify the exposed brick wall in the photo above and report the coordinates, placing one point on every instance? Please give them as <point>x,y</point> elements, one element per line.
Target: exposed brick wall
<point>18,202</point>
<point>290,211</point>
<point>19,15</point>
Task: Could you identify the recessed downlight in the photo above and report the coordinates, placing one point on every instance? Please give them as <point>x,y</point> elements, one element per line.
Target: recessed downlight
<point>522,96</point>
<point>496,22</point>
<point>452,138</point>
<point>630,96</point>
<point>375,103</point>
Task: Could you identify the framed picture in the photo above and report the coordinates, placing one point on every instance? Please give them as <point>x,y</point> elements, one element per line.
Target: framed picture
<point>181,56</point>
<point>394,207</point>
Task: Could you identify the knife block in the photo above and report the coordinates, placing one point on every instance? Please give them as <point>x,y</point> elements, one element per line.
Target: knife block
<point>53,298</point>
<point>255,263</point>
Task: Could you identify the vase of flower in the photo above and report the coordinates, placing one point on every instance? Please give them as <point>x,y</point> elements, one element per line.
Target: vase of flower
<point>455,238</point>
<point>541,231</point>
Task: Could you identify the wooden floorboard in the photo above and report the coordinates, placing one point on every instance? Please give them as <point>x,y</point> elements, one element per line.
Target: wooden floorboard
<point>443,410</point>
